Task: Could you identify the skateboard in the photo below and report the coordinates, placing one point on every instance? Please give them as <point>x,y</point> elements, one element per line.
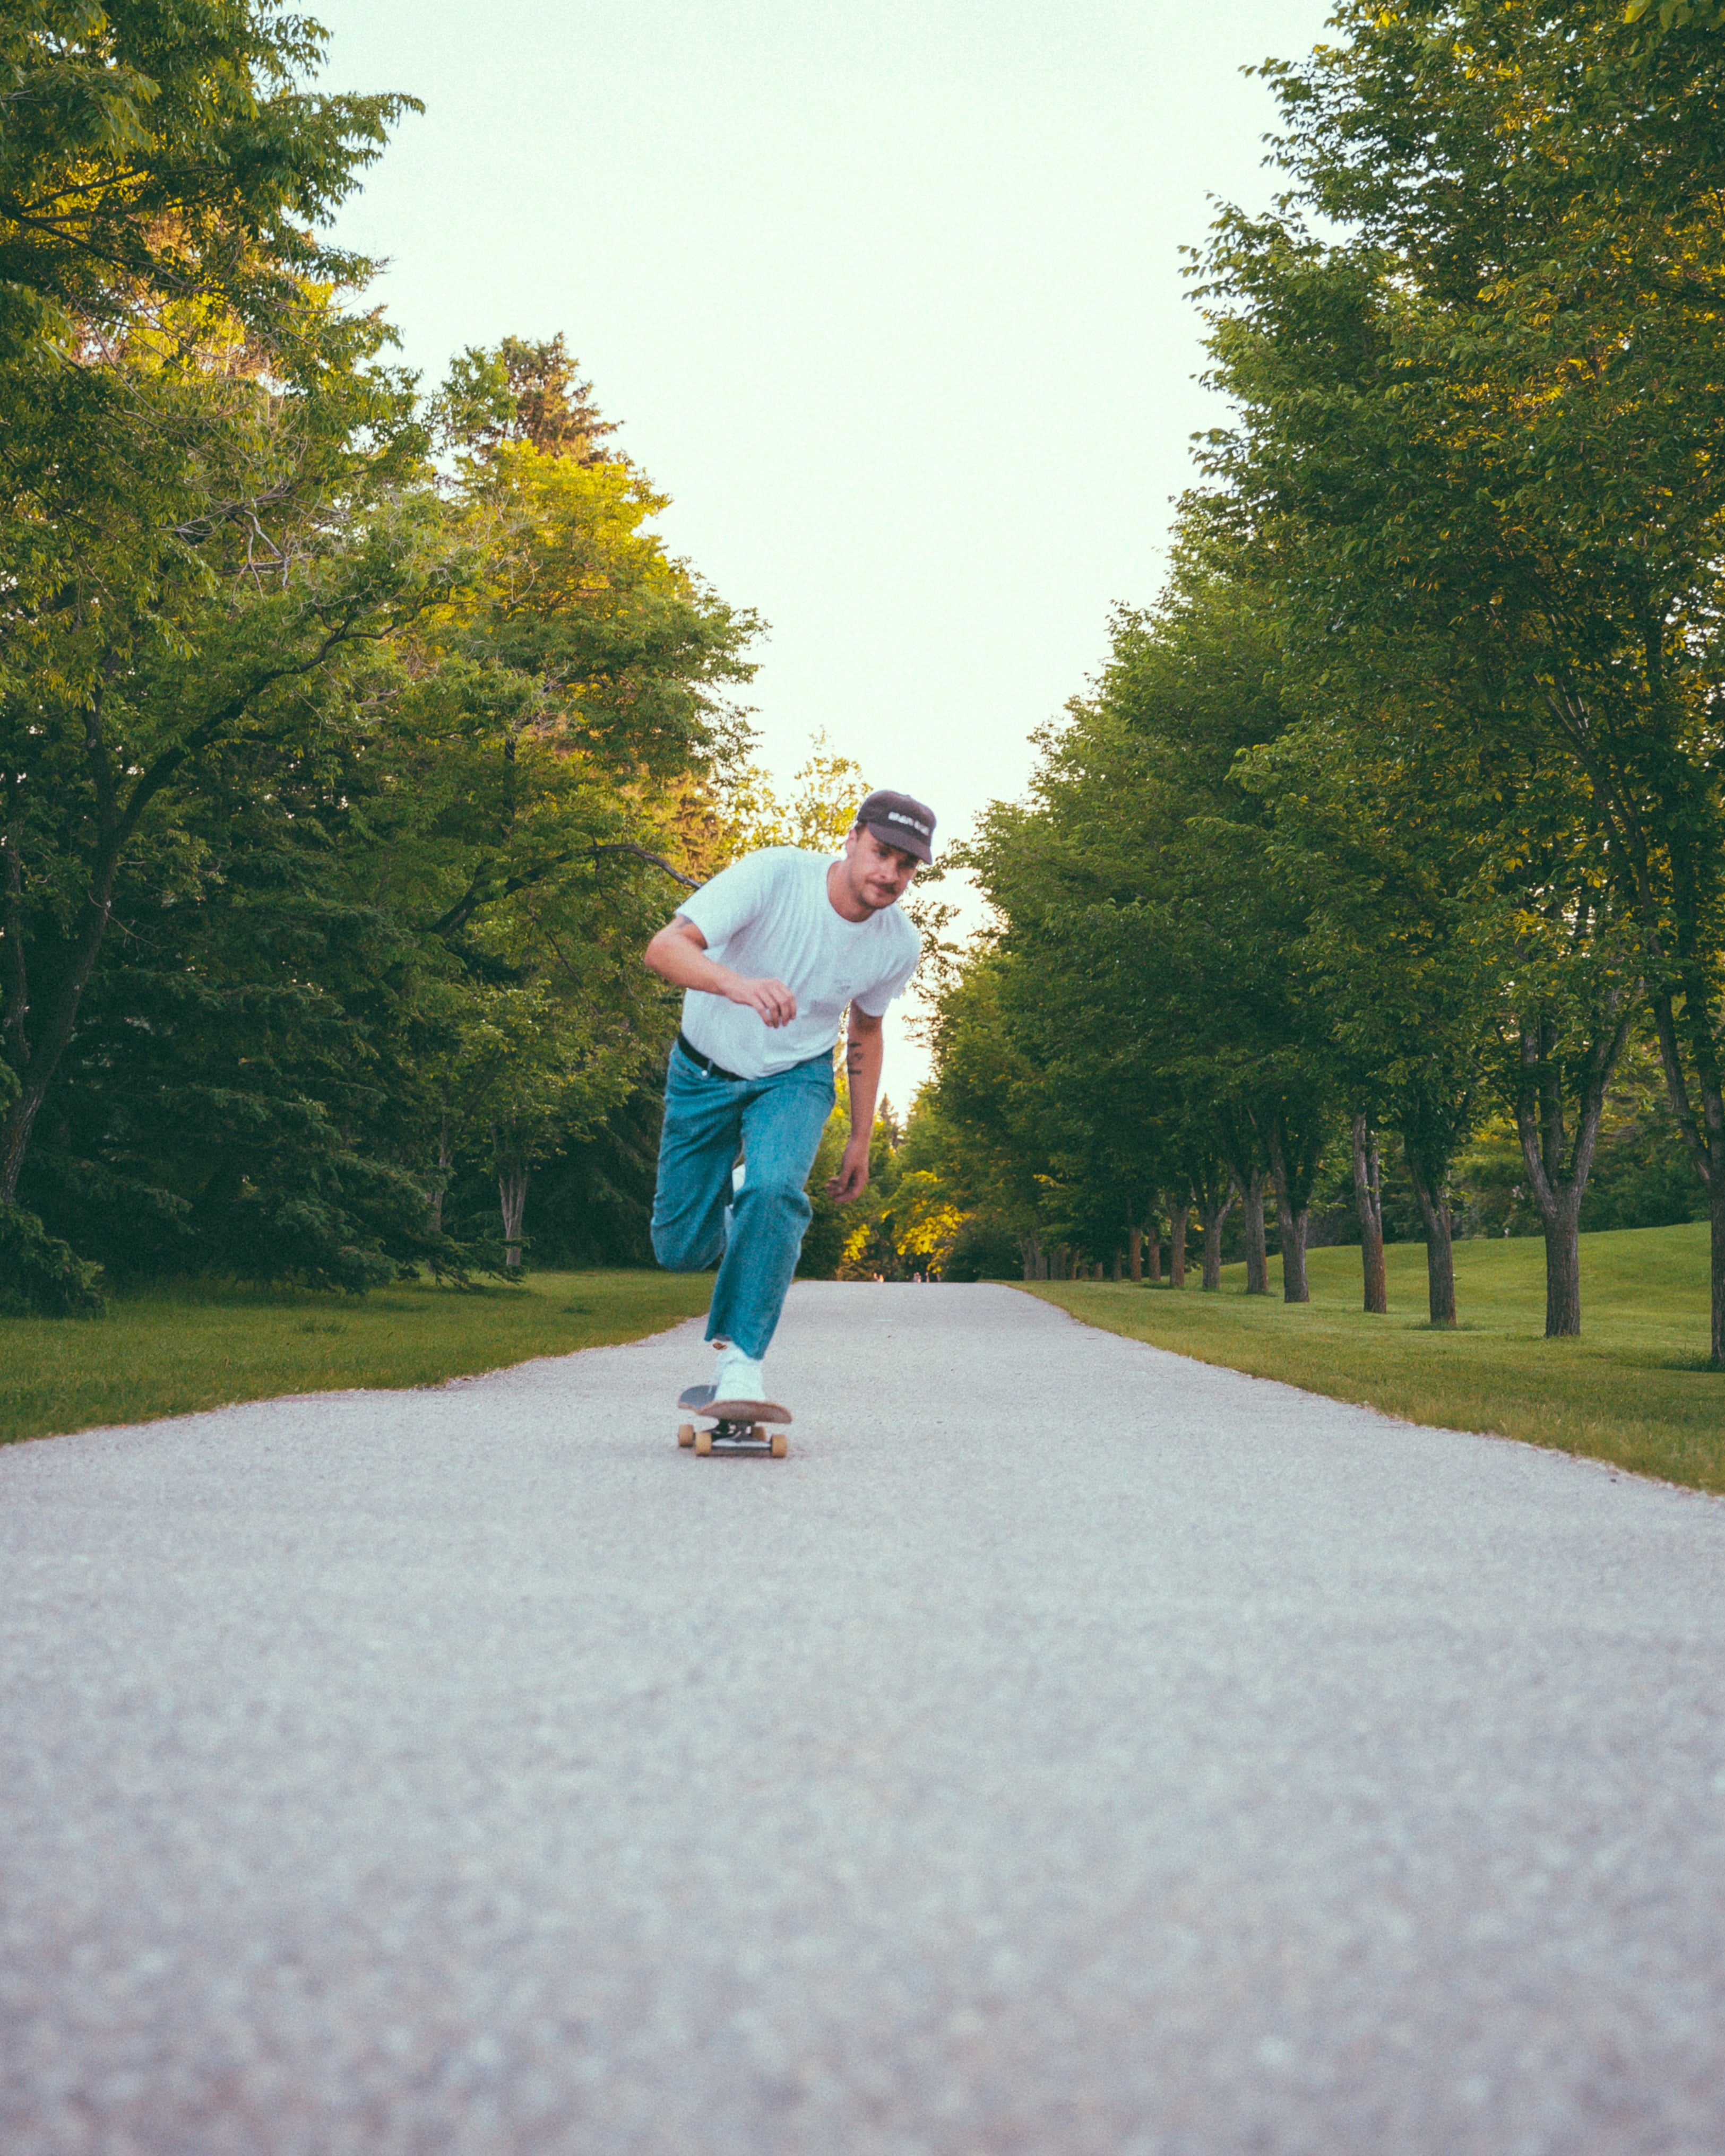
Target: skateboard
<point>737,1425</point>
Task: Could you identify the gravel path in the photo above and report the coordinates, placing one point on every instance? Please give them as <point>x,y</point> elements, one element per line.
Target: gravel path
<point>1108,1756</point>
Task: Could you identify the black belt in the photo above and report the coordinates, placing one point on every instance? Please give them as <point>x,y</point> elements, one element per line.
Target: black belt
<point>706,1062</point>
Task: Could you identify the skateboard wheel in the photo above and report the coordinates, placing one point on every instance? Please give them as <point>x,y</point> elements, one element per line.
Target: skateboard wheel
<point>685,1433</point>
<point>779,1446</point>
<point>703,1442</point>
<point>759,1433</point>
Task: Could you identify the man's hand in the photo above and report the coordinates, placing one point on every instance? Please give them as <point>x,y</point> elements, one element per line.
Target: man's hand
<point>853,1177</point>
<point>678,954</point>
<point>772,999</point>
<point>862,1073</point>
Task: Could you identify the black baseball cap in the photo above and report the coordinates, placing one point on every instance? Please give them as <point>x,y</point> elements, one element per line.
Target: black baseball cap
<point>901,822</point>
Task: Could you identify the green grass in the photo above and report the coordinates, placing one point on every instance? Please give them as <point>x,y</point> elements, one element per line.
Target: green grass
<point>170,1351</point>
<point>1634,1389</point>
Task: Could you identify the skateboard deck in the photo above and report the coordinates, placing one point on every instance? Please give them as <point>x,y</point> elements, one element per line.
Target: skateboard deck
<point>738,1425</point>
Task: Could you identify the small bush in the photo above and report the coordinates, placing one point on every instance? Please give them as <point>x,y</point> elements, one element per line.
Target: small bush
<point>41,1276</point>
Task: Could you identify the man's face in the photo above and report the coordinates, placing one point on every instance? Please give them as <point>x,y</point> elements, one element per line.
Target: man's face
<point>878,874</point>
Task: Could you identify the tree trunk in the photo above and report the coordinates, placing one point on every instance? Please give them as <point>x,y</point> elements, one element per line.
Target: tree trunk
<point>1178,1216</point>
<point>1563,1272</point>
<point>1369,1198</point>
<point>1292,1225</point>
<point>1294,1287</point>
<point>1702,1120</point>
<point>1439,1251</point>
<point>1716,1211</point>
<point>38,1061</point>
<point>1559,1184</point>
<point>1119,1265</point>
<point>1135,1262</point>
<point>1152,1251</point>
<point>512,1191</point>
<point>1212,1221</point>
<point>14,990</point>
<point>1257,1261</point>
<point>1030,1250</point>
<point>434,1206</point>
<point>34,1062</point>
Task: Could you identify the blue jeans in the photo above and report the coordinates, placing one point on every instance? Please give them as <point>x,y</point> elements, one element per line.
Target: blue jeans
<point>756,1235</point>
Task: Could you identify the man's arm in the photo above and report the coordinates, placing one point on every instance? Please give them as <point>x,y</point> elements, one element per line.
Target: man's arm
<point>864,1050</point>
<point>678,954</point>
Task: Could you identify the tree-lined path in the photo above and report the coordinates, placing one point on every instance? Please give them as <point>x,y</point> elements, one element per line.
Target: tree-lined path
<point>1070,1749</point>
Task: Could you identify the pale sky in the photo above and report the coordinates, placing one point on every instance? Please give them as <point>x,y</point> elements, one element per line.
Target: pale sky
<point>888,300</point>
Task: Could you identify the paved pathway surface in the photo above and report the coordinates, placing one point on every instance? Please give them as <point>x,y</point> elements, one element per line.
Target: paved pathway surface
<point>1096,1755</point>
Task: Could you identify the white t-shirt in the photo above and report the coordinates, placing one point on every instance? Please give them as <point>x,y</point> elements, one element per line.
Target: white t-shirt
<point>768,916</point>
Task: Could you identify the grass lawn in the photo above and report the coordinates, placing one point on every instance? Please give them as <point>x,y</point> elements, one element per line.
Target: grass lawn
<point>1633,1389</point>
<point>169,1351</point>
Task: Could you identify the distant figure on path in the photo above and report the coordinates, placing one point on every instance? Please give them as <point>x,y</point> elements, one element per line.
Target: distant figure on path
<point>770,954</point>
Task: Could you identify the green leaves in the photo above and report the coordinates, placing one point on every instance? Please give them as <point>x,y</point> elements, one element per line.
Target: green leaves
<point>336,797</point>
<point>1677,14</point>
<point>43,1276</point>
<point>1415,770</point>
<point>160,164</point>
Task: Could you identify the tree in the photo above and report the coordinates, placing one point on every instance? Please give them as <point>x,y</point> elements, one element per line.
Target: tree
<point>986,1094</point>
<point>521,391</point>
<point>1572,1002</point>
<point>1148,969</point>
<point>240,1093</point>
<point>488,804</point>
<point>1198,686</point>
<point>1497,415</point>
<point>160,157</point>
<point>1400,855</point>
<point>1493,414</point>
<point>830,788</point>
<point>354,760</point>
<point>108,741</point>
<point>181,397</point>
<point>530,1073</point>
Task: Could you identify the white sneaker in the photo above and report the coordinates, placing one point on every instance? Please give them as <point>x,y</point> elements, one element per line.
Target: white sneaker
<point>739,1377</point>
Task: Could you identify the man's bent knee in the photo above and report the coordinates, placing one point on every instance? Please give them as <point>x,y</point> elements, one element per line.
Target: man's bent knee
<point>781,1194</point>
<point>680,1250</point>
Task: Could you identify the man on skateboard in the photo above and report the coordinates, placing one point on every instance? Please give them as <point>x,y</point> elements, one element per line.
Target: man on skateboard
<point>770,955</point>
